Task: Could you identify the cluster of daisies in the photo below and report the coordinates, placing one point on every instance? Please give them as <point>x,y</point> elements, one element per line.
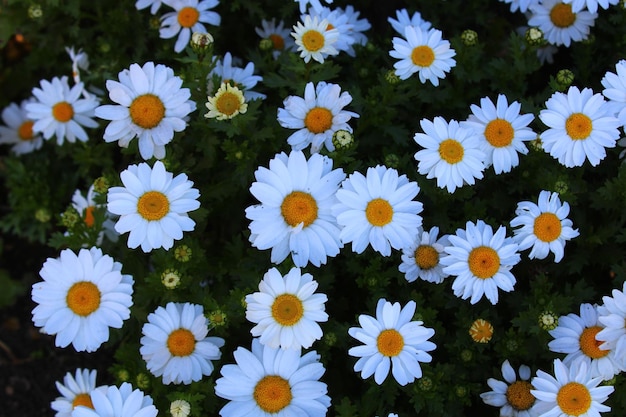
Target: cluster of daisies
<point>308,210</point>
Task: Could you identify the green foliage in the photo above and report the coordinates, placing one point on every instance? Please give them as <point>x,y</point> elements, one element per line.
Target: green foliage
<point>221,156</point>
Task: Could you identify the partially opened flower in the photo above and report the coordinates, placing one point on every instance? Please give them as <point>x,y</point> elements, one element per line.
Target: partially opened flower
<point>151,105</point>
<point>512,395</point>
<point>378,209</point>
<point>570,392</point>
<point>286,310</point>
<point>481,260</point>
<point>188,17</point>
<point>75,390</point>
<point>59,111</point>
<point>81,296</point>
<point>268,382</point>
<point>118,402</point>
<point>175,344</point>
<point>294,215</point>
<point>18,130</point>
<point>391,341</point>
<point>317,116</point>
<point>544,226</point>
<point>228,102</point>
<point>153,206</point>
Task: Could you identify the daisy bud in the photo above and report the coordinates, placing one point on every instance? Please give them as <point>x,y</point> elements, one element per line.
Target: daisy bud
<point>182,253</point>
<point>512,345</point>
<point>123,375</point>
<point>392,160</point>
<point>266,44</point>
<point>469,37</point>
<point>564,78</point>
<point>460,391</point>
<point>425,383</point>
<point>548,320</point>
<point>201,42</point>
<point>342,139</point>
<point>391,77</point>
<point>70,217</point>
<point>330,339</point>
<point>466,355</point>
<point>217,318</point>
<point>101,185</point>
<point>42,215</point>
<point>35,12</point>
<point>170,279</point>
<point>534,37</point>
<point>143,381</point>
<point>180,408</point>
<point>561,187</point>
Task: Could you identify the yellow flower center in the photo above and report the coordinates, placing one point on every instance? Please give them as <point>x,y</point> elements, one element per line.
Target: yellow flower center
<point>390,342</point>
<point>379,212</point>
<point>574,399</point>
<point>313,41</point>
<point>483,262</point>
<point>147,111</point>
<point>451,151</point>
<point>82,399</point>
<point>287,309</point>
<point>499,133</point>
<point>426,257</point>
<point>188,16</point>
<point>25,131</point>
<point>423,56</point>
<point>89,217</point>
<point>83,298</point>
<point>299,207</point>
<point>481,331</point>
<point>272,394</point>
<point>228,103</point>
<point>519,396</point>
<point>561,15</point>
<point>318,120</point>
<point>277,41</point>
<point>578,126</point>
<point>153,205</point>
<point>63,111</point>
<point>589,345</point>
<point>547,227</point>
<point>181,342</point>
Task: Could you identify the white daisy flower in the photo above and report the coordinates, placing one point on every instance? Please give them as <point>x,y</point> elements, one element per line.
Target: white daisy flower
<point>188,17</point>
<point>86,206</point>
<point>175,343</point>
<point>118,402</point>
<point>315,4</point>
<point>153,4</point>
<point>615,90</point>
<point>503,131</point>
<point>451,153</point>
<point>59,111</point>
<point>243,78</point>
<point>153,206</point>
<point>358,26</point>
<point>580,126</point>
<point>286,310</point>
<point>591,5</point>
<point>481,260</point>
<point>267,382</point>
<point>294,216</point>
<point>545,226</point>
<point>317,116</point>
<point>228,102</point>
<point>151,106</point>
<point>559,24</point>
<point>391,340</point>
<point>612,316</point>
<point>423,52</point>
<point>75,390</point>
<point>18,129</point>
<point>80,297</point>
<point>570,392</point>
<point>337,20</point>
<point>80,60</point>
<point>421,258</point>
<point>512,395</point>
<point>403,20</point>
<point>576,336</point>
<point>378,209</point>
<point>314,39</point>
<point>521,5</point>
<point>278,34</point>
